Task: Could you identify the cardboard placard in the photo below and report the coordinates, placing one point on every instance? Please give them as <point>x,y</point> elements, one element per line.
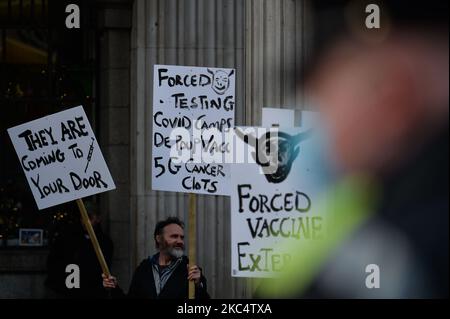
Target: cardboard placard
<point>61,158</point>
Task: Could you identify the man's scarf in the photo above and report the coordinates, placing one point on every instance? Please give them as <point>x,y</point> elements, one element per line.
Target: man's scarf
<point>162,275</point>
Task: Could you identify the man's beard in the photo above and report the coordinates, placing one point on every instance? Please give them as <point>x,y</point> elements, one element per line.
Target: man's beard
<point>175,252</point>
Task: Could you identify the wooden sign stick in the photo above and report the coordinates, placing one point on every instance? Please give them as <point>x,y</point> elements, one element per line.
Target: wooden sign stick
<point>192,237</point>
<point>93,237</point>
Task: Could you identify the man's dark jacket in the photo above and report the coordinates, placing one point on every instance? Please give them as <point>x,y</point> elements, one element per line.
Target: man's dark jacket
<point>177,286</point>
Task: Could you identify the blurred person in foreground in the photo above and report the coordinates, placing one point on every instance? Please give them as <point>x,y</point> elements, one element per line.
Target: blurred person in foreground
<point>384,102</point>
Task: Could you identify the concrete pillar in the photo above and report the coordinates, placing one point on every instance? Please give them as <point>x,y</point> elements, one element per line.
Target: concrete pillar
<point>263,40</point>
<point>114,24</point>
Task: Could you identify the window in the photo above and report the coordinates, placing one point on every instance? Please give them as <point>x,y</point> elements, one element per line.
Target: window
<point>44,68</point>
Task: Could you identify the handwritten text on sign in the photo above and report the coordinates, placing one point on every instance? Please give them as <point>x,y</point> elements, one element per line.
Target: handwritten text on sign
<point>274,207</point>
<point>61,158</point>
<point>196,99</point>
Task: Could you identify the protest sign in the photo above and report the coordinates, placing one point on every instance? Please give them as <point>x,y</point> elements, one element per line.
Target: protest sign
<point>277,117</point>
<point>193,107</point>
<point>269,207</point>
<point>61,158</point>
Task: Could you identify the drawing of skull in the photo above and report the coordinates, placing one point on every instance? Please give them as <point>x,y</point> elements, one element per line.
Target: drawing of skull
<point>275,152</point>
<point>220,81</point>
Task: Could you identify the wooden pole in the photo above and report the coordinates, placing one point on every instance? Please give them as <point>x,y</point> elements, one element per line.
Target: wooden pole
<point>93,237</point>
<point>192,237</point>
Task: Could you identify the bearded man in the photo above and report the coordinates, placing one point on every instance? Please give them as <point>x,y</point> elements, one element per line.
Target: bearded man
<point>166,274</point>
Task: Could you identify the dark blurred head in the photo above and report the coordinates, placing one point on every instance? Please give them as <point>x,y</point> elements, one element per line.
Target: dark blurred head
<point>334,20</point>
<point>93,214</point>
<point>383,93</point>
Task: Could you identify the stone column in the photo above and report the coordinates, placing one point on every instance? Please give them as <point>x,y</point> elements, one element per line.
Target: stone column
<point>114,24</point>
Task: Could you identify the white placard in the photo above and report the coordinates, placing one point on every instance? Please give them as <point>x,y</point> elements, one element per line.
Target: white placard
<point>277,117</point>
<point>61,158</point>
<point>193,99</point>
<point>269,209</point>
